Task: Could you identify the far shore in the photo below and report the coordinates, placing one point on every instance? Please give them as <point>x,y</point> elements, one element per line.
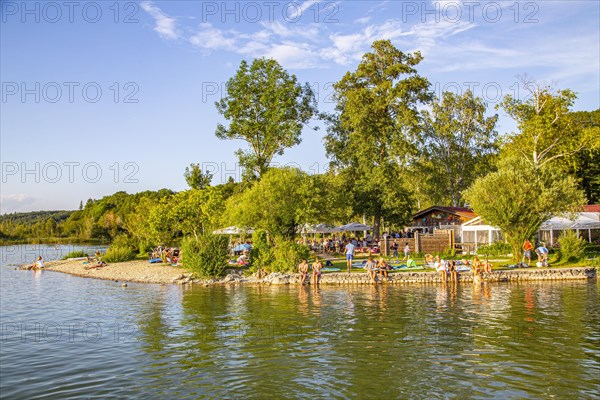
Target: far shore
<point>141,271</point>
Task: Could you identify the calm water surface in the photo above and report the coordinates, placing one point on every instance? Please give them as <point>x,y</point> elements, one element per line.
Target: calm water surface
<point>70,337</point>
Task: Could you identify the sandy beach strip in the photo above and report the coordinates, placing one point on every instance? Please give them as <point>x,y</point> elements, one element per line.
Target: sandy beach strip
<point>142,271</point>
<point>130,271</point>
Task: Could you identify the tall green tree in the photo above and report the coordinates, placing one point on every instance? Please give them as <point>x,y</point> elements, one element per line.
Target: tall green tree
<point>548,133</point>
<point>517,198</point>
<point>371,135</point>
<point>187,213</point>
<point>267,108</point>
<point>457,145</point>
<point>283,200</point>
<point>195,178</point>
<point>585,165</point>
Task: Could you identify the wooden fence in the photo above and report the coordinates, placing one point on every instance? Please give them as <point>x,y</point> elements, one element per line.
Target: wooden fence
<point>438,242</point>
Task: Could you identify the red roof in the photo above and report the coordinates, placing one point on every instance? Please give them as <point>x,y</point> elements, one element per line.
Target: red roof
<point>464,212</point>
<point>592,208</point>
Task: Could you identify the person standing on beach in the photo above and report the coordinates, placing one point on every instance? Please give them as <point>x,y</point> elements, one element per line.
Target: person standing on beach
<point>349,255</point>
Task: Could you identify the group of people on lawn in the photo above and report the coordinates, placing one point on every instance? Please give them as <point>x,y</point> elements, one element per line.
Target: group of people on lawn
<point>541,251</point>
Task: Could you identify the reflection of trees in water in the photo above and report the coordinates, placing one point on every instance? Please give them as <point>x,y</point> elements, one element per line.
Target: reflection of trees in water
<point>328,341</point>
<point>154,330</point>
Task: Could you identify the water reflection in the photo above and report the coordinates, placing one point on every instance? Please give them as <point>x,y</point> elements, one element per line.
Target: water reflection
<point>534,340</point>
<point>333,335</point>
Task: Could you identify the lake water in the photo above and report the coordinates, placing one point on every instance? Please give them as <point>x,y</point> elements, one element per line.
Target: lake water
<point>70,337</point>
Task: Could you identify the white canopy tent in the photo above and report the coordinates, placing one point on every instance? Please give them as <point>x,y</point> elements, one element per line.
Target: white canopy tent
<point>319,228</point>
<point>477,232</point>
<point>233,230</point>
<point>353,227</point>
<point>581,221</point>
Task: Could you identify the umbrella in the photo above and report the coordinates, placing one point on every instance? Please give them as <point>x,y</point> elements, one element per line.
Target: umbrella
<point>242,247</point>
<point>232,230</point>
<point>324,228</point>
<point>353,227</point>
<point>319,228</point>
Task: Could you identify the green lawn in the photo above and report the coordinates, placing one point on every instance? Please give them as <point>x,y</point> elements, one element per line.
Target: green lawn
<point>498,262</point>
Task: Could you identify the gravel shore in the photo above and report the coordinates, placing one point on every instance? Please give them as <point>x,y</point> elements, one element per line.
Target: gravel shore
<point>130,271</point>
<point>143,272</point>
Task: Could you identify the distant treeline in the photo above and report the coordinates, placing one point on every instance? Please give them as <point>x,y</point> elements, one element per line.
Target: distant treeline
<point>98,220</point>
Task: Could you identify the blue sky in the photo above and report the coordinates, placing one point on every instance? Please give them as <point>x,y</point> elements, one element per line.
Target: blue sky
<point>105,96</point>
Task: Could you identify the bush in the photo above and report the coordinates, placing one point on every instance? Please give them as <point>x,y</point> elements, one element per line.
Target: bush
<point>449,253</point>
<point>261,255</point>
<point>571,246</point>
<point>287,255</point>
<point>75,254</point>
<point>206,256</point>
<point>495,249</point>
<point>116,253</point>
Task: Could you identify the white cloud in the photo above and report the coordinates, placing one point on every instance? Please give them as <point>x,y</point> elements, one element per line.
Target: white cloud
<point>294,55</point>
<point>165,26</point>
<point>210,38</point>
<point>14,202</point>
<point>315,45</point>
<point>309,31</point>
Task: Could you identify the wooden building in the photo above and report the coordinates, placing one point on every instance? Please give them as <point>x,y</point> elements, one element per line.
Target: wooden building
<point>441,217</point>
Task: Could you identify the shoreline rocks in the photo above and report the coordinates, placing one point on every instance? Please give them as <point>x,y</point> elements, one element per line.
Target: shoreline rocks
<point>141,272</point>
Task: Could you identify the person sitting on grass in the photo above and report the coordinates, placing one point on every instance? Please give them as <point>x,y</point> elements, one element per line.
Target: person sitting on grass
<point>383,267</point>
<point>410,263</point>
<point>303,269</point>
<point>242,260</point>
<point>371,268</point>
<point>429,261</point>
<point>317,266</point>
